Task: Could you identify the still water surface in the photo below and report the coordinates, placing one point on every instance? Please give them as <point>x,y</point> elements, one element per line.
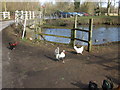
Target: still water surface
<point>101,34</point>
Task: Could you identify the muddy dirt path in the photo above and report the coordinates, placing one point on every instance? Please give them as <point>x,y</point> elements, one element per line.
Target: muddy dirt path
<point>3,24</point>
<point>33,65</point>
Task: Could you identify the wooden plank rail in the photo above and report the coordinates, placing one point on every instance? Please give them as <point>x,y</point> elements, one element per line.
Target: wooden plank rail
<point>90,35</point>
<point>53,35</point>
<point>73,34</point>
<point>81,40</point>
<point>63,37</point>
<point>4,15</point>
<point>80,30</point>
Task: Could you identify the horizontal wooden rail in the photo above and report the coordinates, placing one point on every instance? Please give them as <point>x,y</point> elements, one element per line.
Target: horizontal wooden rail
<point>80,30</point>
<point>63,37</point>
<point>53,35</point>
<point>81,40</point>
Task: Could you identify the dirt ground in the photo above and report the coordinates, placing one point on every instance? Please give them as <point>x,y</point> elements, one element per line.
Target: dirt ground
<point>33,65</point>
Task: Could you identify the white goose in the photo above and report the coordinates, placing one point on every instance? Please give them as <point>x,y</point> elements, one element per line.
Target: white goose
<point>60,56</point>
<point>79,50</point>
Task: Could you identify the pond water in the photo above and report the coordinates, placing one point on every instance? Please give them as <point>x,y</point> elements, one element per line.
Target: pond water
<point>101,34</point>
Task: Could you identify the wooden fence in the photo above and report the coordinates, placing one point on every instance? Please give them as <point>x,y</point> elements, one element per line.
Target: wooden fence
<point>28,15</point>
<point>73,34</point>
<point>27,18</point>
<point>4,15</point>
<point>24,14</point>
<point>73,31</point>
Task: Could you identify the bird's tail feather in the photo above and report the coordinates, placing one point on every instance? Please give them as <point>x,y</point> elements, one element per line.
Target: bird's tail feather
<point>57,51</point>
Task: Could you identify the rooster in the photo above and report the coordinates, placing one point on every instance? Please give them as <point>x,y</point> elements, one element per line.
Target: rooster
<point>92,86</point>
<point>79,50</point>
<point>107,85</point>
<point>59,56</point>
<point>12,45</point>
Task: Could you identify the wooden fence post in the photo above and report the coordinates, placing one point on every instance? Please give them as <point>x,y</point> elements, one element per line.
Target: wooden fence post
<point>26,15</point>
<point>21,16</point>
<point>8,15</point>
<point>40,31</point>
<point>41,19</point>
<point>29,14</point>
<point>23,35</point>
<point>33,15</point>
<point>73,32</point>
<point>4,16</point>
<point>90,34</point>
<point>16,17</point>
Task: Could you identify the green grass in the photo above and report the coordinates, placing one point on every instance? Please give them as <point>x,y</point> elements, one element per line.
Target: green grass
<point>58,27</point>
<point>69,22</point>
<point>24,39</point>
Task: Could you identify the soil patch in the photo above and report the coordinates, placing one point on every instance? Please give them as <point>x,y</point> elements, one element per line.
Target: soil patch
<point>33,65</point>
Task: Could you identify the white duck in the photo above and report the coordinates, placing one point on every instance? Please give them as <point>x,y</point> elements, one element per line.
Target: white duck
<point>79,50</point>
<point>60,56</point>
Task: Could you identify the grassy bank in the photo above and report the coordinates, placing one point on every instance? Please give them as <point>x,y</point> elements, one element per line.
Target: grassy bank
<point>69,22</point>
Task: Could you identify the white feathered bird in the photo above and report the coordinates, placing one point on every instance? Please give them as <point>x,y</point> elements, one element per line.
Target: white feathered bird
<point>57,51</point>
<point>79,50</point>
<point>59,56</point>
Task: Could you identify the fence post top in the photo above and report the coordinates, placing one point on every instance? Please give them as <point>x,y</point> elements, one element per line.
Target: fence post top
<point>91,18</point>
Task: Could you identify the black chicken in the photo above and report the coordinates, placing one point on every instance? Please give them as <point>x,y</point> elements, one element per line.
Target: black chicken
<point>107,85</point>
<point>92,86</point>
<point>12,45</point>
